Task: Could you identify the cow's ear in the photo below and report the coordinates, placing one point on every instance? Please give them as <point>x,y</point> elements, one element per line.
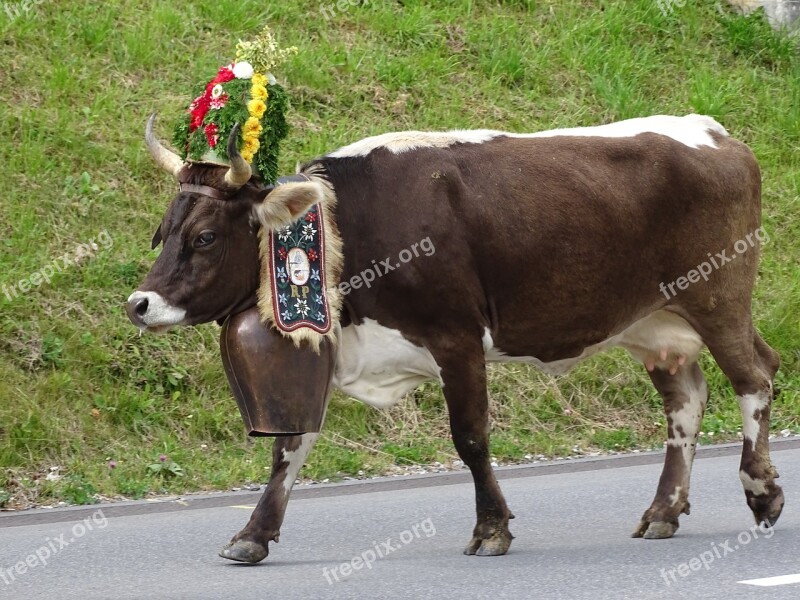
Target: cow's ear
<point>288,202</point>
<point>156,238</point>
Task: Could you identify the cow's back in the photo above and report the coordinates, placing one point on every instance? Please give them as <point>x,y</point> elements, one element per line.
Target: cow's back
<point>574,232</point>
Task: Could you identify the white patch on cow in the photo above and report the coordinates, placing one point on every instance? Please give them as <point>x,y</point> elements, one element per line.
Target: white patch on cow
<point>662,330</point>
<point>756,486</point>
<point>675,496</point>
<point>403,141</point>
<point>749,404</point>
<point>378,366</point>
<point>691,130</point>
<point>644,339</point>
<point>296,459</point>
<point>686,421</point>
<point>160,313</point>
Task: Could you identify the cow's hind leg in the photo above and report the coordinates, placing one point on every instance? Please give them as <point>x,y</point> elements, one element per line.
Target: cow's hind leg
<point>685,395</point>
<point>250,544</point>
<point>764,496</point>
<point>464,381</point>
<point>751,364</point>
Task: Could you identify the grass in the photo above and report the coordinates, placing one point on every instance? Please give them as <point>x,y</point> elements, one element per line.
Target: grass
<point>79,388</point>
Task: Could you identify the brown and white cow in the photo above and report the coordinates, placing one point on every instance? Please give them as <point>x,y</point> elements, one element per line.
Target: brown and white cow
<point>549,247</point>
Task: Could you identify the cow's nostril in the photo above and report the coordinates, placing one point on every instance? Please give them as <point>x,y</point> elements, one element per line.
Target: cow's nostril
<point>140,307</point>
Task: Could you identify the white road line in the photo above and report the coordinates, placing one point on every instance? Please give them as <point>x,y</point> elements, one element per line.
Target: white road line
<point>245,506</point>
<point>772,581</point>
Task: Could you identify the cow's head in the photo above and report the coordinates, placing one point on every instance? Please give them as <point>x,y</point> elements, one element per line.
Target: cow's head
<point>209,266</point>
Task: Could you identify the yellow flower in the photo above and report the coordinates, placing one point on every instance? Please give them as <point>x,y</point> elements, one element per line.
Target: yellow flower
<point>252,127</point>
<point>249,148</point>
<point>259,79</point>
<point>259,92</point>
<point>257,108</point>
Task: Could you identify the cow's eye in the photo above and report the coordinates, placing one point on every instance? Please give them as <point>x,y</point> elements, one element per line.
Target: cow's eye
<point>206,238</point>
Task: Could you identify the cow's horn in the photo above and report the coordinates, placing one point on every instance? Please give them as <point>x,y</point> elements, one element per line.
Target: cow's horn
<point>240,170</point>
<point>166,159</point>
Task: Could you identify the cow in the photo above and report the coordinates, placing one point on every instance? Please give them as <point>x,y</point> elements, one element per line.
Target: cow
<point>549,247</point>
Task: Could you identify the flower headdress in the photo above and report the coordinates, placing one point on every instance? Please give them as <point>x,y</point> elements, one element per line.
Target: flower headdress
<point>245,93</point>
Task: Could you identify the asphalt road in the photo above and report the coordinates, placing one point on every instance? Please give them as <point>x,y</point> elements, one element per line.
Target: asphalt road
<point>572,541</point>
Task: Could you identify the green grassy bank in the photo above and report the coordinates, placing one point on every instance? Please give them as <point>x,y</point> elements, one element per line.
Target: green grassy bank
<point>79,388</point>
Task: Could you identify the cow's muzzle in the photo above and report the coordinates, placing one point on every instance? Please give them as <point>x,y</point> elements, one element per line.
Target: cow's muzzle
<point>149,310</point>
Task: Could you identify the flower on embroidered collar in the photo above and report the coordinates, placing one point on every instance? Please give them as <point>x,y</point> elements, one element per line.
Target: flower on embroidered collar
<point>309,231</point>
<point>301,306</point>
<point>284,233</point>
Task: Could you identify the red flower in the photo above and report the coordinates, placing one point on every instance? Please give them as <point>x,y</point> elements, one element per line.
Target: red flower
<point>218,103</point>
<point>198,109</point>
<point>224,75</point>
<point>211,131</point>
<point>312,255</point>
<point>311,217</point>
<point>282,253</point>
<point>200,105</point>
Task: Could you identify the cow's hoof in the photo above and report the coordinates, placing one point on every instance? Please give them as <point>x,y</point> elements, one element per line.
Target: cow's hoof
<point>767,507</point>
<point>496,545</point>
<point>656,530</point>
<point>244,551</point>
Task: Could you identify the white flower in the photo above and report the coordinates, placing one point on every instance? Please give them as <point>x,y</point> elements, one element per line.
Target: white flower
<point>308,231</point>
<point>284,233</point>
<point>216,91</point>
<point>243,70</point>
<point>271,79</point>
<point>301,306</point>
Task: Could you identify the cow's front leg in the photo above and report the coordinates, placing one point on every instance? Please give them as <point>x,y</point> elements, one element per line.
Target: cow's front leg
<point>685,394</point>
<point>250,544</point>
<point>464,382</point>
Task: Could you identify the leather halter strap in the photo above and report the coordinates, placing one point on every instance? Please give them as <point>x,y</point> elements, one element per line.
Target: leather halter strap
<point>205,190</point>
<point>211,192</point>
